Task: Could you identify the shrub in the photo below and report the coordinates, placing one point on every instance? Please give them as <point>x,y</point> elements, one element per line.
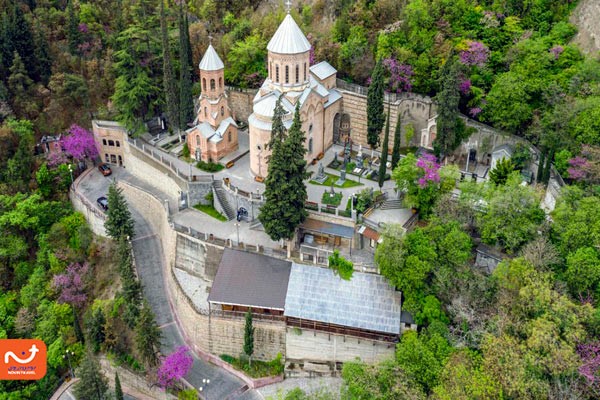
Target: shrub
<point>209,166</point>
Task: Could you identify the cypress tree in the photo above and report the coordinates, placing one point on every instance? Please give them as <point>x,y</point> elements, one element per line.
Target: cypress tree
<point>73,34</point>
<point>118,390</point>
<point>119,223</point>
<point>77,327</point>
<point>188,45</point>
<point>540,171</point>
<point>375,114</point>
<point>547,167</point>
<point>186,101</point>
<point>92,383</point>
<point>384,152</point>
<point>6,50</point>
<point>95,328</point>
<point>249,336</point>
<point>147,335</point>
<point>19,85</point>
<point>170,86</point>
<point>21,39</point>
<point>448,135</point>
<point>42,55</point>
<point>397,142</point>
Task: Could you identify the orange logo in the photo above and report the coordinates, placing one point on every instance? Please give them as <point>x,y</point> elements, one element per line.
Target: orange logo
<point>22,359</point>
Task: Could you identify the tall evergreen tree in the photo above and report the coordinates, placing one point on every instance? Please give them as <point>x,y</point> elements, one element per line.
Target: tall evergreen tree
<point>249,336</point>
<point>130,287</point>
<point>384,152</point>
<point>92,383</point>
<point>375,114</point>
<point>42,55</point>
<point>6,51</point>
<point>147,336</point>
<point>188,45</point>
<point>186,101</point>
<point>95,322</point>
<point>450,128</point>
<point>118,389</point>
<point>21,39</point>
<point>20,85</point>
<point>397,142</point>
<point>170,86</point>
<point>73,33</point>
<point>119,223</point>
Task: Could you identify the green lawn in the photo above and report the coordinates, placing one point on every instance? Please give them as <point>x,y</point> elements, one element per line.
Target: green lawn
<point>210,210</point>
<point>258,369</point>
<point>334,200</point>
<point>333,179</point>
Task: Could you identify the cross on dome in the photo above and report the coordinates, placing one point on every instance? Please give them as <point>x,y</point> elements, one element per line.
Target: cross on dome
<point>210,38</point>
<point>288,5</point>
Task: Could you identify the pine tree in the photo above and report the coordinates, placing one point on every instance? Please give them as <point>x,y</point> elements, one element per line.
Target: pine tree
<point>118,224</point>
<point>131,287</point>
<point>448,122</point>
<point>6,50</point>
<point>77,327</point>
<point>170,86</point>
<point>95,328</point>
<point>147,336</point>
<point>73,34</point>
<point>249,336</point>
<point>21,39</point>
<point>92,383</point>
<point>397,142</point>
<point>19,85</point>
<point>503,169</point>
<point>186,101</point>
<point>384,152</point>
<point>375,114</point>
<point>42,55</point>
<point>188,45</point>
<point>118,390</point>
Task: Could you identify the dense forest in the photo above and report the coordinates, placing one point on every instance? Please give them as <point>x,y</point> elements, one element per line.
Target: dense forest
<point>528,330</point>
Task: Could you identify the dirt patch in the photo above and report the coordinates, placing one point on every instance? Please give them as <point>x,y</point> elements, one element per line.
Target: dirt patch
<point>586,17</point>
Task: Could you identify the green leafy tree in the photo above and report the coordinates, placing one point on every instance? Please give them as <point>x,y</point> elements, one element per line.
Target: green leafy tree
<point>73,33</point>
<point>247,62</point>
<point>44,180</point>
<point>249,336</point>
<point>92,383</point>
<point>147,336</point>
<point>118,390</point>
<point>502,171</point>
<point>384,153</point>
<point>169,84</point>
<point>119,223</point>
<point>375,114</point>
<point>340,265</point>
<point>186,101</point>
<point>397,142</point>
<point>583,272</point>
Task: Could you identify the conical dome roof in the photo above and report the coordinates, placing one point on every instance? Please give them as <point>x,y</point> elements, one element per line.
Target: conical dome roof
<point>288,39</point>
<point>211,60</point>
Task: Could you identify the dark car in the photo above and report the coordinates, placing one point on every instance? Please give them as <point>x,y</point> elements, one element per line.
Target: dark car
<point>103,203</point>
<point>104,169</point>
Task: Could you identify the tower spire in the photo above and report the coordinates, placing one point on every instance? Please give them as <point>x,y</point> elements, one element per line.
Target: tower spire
<point>288,6</point>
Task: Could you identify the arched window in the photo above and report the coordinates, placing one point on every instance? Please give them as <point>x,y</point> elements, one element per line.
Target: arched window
<point>204,84</point>
<point>277,73</point>
<point>310,145</point>
<point>212,84</point>
<point>197,140</point>
<point>310,129</point>
<point>305,72</point>
<point>205,112</point>
<point>104,142</point>
<point>229,136</point>
<point>111,143</point>
<point>297,73</point>
<point>106,157</point>
<point>220,82</point>
<point>118,144</point>
<point>287,74</point>
<point>222,111</point>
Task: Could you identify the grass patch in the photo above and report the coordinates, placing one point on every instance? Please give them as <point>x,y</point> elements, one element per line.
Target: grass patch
<point>333,200</point>
<point>258,369</point>
<point>209,166</point>
<point>332,179</point>
<point>210,210</point>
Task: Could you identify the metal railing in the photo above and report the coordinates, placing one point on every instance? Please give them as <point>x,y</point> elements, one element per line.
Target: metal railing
<point>242,315</point>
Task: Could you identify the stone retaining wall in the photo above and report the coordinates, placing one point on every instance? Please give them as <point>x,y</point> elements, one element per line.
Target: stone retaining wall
<point>240,102</point>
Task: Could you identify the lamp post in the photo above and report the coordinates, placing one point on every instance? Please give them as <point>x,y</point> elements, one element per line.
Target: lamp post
<point>71,172</point>
<point>68,354</point>
<point>205,383</point>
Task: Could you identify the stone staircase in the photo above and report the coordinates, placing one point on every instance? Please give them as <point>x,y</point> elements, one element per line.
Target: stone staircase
<point>256,225</point>
<point>391,204</point>
<point>219,194</point>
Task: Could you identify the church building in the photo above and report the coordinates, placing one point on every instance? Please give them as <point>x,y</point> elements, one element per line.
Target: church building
<point>215,133</point>
<point>291,77</point>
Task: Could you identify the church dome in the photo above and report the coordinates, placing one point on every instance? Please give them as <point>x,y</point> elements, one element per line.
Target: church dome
<point>289,38</point>
<point>211,60</point>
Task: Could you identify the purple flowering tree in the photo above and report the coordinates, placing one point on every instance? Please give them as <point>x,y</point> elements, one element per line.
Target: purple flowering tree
<point>174,367</point>
<point>465,86</point>
<point>79,143</point>
<point>476,54</point>
<point>556,51</point>
<point>71,284</point>
<point>399,76</point>
<point>590,367</point>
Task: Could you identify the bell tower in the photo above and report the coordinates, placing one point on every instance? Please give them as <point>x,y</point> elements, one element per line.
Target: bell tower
<point>213,99</point>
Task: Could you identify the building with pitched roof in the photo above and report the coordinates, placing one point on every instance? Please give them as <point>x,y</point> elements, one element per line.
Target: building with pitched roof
<point>292,79</point>
<point>215,133</point>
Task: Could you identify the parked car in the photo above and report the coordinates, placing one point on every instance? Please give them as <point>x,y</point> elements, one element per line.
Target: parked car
<point>104,169</point>
<point>102,202</point>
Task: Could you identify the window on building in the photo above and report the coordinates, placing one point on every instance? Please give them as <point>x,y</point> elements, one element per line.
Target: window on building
<point>212,84</point>
<point>287,74</point>
<point>222,111</point>
<point>205,112</point>
<point>120,161</point>
<point>297,73</point>
<point>104,142</point>
<point>118,144</point>
<point>220,82</point>
<point>310,145</point>
<point>229,136</point>
<point>310,129</point>
<point>111,143</point>
<point>106,158</point>
<point>277,73</point>
<point>197,140</point>
<point>304,72</point>
<point>113,158</point>
<point>204,84</point>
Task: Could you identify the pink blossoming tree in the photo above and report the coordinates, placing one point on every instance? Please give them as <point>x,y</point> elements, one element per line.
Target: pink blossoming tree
<point>476,54</point>
<point>399,76</point>
<point>590,367</point>
<point>79,143</point>
<point>71,284</point>
<point>174,367</point>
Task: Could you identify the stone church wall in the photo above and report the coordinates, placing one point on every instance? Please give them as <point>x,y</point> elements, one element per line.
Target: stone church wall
<point>240,102</point>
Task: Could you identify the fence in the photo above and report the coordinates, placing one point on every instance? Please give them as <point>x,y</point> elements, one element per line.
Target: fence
<point>88,204</point>
<point>242,315</point>
<point>242,193</point>
<point>327,209</point>
<point>340,330</point>
<point>388,97</point>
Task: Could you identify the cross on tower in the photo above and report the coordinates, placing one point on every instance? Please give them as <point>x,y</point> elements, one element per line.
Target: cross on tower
<point>210,38</point>
<point>288,5</point>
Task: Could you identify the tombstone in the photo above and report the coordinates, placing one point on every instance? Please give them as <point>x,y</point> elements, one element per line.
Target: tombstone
<point>342,179</point>
<point>321,175</point>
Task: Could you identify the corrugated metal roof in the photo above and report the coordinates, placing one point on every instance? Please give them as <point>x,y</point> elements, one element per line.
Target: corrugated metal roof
<point>288,38</point>
<point>323,70</point>
<point>334,96</point>
<point>250,280</point>
<point>211,60</point>
<point>328,228</point>
<point>368,232</point>
<point>366,301</point>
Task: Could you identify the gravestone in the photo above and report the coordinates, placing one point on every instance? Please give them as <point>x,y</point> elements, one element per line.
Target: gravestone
<point>321,175</point>
<point>342,179</point>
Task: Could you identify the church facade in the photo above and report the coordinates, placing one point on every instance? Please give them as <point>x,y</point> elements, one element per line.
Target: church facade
<point>215,133</point>
<point>292,79</point>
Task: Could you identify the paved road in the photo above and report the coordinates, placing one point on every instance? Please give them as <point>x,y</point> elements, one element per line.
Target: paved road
<point>150,262</point>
